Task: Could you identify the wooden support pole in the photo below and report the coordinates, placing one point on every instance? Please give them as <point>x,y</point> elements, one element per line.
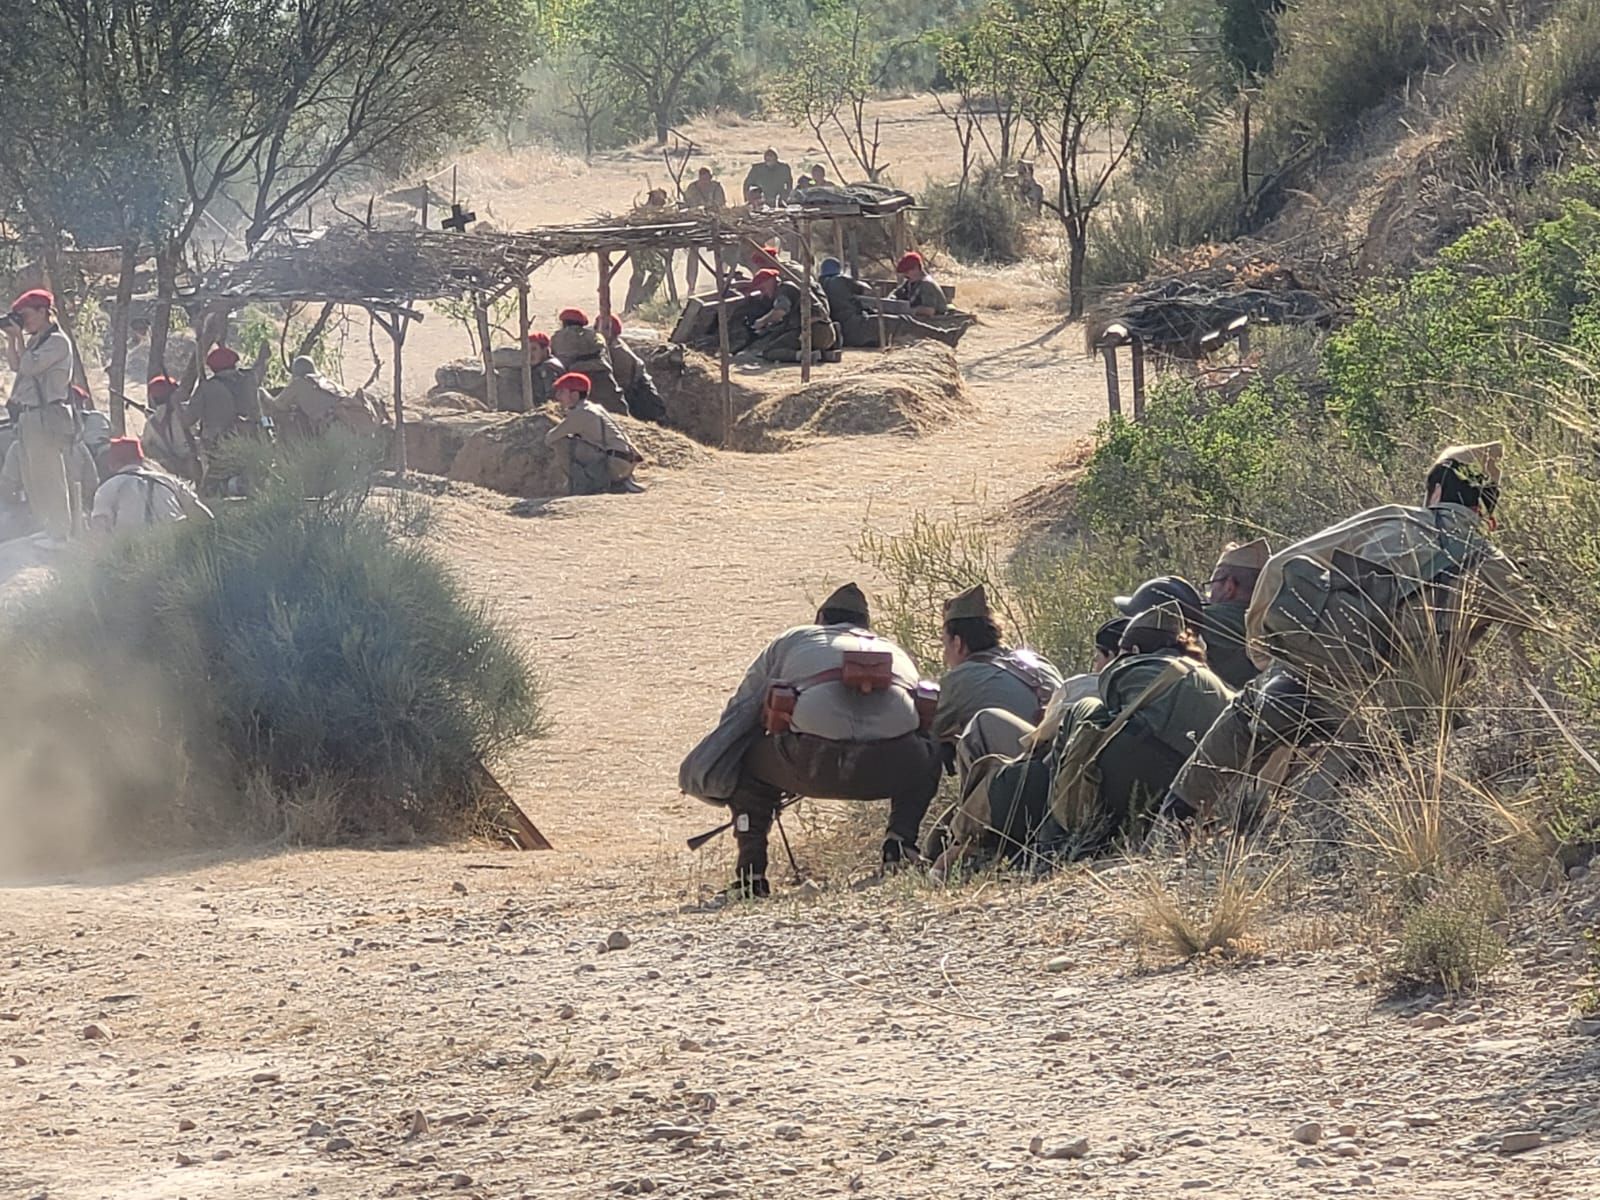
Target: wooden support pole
<point>722,335</point>
<point>838,241</point>
<point>604,322</point>
<point>805,301</point>
<point>119,336</point>
<point>1113,387</point>
<point>1136,353</point>
<point>486,346</point>
<point>397,332</point>
<point>527,358</point>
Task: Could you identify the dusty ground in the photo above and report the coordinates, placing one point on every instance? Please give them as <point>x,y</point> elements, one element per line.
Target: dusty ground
<point>444,1022</point>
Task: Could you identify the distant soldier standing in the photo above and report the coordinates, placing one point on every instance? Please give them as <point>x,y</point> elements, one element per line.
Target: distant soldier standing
<point>828,710</point>
<point>703,194</point>
<point>229,402</point>
<point>602,457</point>
<point>42,357</point>
<point>773,177</point>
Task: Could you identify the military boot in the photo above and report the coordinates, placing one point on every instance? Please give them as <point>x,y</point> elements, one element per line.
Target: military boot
<point>899,854</point>
<point>750,873</point>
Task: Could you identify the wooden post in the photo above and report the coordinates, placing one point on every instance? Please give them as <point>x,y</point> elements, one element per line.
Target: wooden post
<point>396,328</point>
<point>805,301</point>
<point>722,334</point>
<point>1113,388</point>
<point>119,336</point>
<point>604,323</point>
<point>527,356</point>
<point>489,390</point>
<point>838,241</point>
<point>1136,351</point>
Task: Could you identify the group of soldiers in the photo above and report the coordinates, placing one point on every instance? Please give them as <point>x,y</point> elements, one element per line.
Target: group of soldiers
<point>1199,707</point>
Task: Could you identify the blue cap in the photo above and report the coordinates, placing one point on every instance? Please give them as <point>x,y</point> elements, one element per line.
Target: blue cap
<point>830,267</point>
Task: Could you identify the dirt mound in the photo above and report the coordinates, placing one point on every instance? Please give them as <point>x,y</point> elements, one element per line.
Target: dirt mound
<point>507,454</point>
<point>910,390</point>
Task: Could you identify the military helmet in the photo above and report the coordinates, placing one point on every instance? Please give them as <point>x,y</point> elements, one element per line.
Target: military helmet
<point>1163,589</point>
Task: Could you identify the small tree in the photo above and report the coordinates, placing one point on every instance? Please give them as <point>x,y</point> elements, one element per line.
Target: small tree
<point>1084,70</point>
<point>652,47</point>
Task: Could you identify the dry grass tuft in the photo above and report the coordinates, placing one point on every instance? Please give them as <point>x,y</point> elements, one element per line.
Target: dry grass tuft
<point>1212,905</point>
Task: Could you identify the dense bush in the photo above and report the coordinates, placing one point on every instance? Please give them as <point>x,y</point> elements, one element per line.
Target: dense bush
<point>981,222</point>
<point>306,647</point>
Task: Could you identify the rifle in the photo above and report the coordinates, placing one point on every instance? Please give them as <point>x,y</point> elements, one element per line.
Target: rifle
<point>701,839</point>
<point>132,403</point>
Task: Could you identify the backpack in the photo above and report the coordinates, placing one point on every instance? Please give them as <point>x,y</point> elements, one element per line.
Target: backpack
<point>1075,782</point>
<point>1342,621</point>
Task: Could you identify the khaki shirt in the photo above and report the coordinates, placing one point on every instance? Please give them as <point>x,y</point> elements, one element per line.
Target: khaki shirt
<point>625,364</point>
<point>44,373</point>
<point>596,434</point>
<point>1395,535</point>
<point>1180,716</point>
<point>578,345</point>
<point>710,195</point>
<point>831,710</point>
<point>984,681</point>
<point>228,402</point>
<point>139,497</point>
<point>924,293</point>
<point>775,181</point>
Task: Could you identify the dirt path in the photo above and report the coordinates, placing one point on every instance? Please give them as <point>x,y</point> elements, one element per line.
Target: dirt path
<point>644,611</point>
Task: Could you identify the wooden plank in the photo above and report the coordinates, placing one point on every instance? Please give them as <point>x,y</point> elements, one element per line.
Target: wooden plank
<point>526,834</point>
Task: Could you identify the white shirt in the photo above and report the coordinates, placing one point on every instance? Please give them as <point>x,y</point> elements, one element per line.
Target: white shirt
<point>137,498</point>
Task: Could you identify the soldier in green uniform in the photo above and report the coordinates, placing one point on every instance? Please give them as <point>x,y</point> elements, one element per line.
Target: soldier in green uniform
<point>857,327</point>
<point>777,331</point>
<point>918,288</point>
<point>1379,611</point>
<point>1227,599</point>
<point>772,177</point>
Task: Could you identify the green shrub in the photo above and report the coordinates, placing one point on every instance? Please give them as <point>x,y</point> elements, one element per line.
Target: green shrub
<point>308,641</point>
<point>979,223</point>
<point>1448,939</point>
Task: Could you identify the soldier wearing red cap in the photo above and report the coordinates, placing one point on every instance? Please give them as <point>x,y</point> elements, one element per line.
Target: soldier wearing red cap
<point>581,348</point>
<point>602,458</point>
<point>167,436</point>
<point>917,288</point>
<point>229,403</point>
<point>42,357</point>
<point>633,377</point>
<point>547,368</point>
<point>777,331</point>
<point>137,494</point>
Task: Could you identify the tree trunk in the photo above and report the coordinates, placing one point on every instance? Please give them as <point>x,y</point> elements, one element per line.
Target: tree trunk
<point>663,126</point>
<point>161,318</point>
<point>119,336</point>
<point>1078,241</point>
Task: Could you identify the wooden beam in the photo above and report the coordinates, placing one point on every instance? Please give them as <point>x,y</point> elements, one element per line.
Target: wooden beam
<point>805,302</point>
<point>722,340</point>
<point>523,330</point>
<point>481,312</point>
<point>606,272</point>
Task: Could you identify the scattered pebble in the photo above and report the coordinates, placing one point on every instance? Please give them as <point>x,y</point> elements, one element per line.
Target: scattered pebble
<point>1517,1143</point>
<point>95,1032</point>
<point>1076,1148</point>
<point>459,888</point>
<point>335,1144</point>
<point>1058,964</point>
<point>185,1125</point>
<point>788,1132</point>
<point>618,940</point>
<point>1308,1134</point>
<point>266,1077</point>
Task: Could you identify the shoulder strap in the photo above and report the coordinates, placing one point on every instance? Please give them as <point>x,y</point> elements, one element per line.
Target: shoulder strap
<point>1174,671</point>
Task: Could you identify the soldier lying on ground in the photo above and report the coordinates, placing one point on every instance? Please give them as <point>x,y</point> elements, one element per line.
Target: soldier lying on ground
<point>1093,772</point>
<point>602,458</point>
<point>828,710</point>
<point>1379,611</point>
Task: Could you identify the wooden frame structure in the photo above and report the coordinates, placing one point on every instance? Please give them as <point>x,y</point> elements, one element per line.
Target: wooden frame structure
<point>388,272</point>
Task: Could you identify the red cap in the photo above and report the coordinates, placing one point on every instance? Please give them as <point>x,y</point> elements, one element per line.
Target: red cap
<point>765,256</point>
<point>576,380</point>
<point>37,298</point>
<point>123,452</point>
<point>222,359</point>
<point>165,384</point>
<point>764,276</point>
<point>616,325</point>
<point>573,316</point>
<point>911,262</point>
<point>537,338</point>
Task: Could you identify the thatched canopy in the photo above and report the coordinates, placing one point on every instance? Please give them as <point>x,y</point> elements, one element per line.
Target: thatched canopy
<point>391,269</point>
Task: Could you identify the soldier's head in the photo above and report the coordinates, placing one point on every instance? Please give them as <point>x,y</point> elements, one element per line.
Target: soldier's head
<point>755,198</point>
<point>1160,627</point>
<point>124,452</point>
<point>1233,579</point>
<point>1107,643</point>
<point>911,266</point>
<point>656,198</point>
<point>705,175</point>
<point>846,606</point>
<point>969,626</point>
<point>819,174</point>
<point>573,316</point>
<point>829,268</point>
<point>538,347</point>
<point>614,330</point>
<point>1163,589</point>
<point>803,182</point>
<point>766,282</point>
<point>160,389</point>
<point>221,359</point>
<point>571,389</point>
<point>302,367</point>
<point>32,309</point>
<point>1468,476</point>
<point>770,157</point>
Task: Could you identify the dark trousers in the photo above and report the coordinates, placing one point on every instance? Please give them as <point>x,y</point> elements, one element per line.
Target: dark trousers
<point>903,770</point>
<point>1277,709</point>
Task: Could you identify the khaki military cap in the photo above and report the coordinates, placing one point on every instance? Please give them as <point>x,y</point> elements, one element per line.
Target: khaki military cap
<point>1246,556</point>
<point>1168,618</point>
<point>1481,460</point>
<point>848,598</point>
<point>974,602</point>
